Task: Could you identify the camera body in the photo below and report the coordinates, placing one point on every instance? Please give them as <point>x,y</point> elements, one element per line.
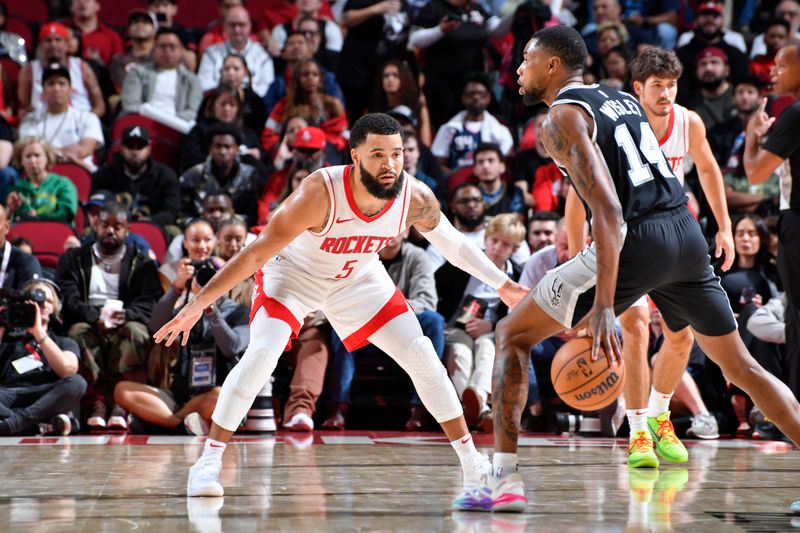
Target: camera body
<point>18,313</point>
<point>203,271</point>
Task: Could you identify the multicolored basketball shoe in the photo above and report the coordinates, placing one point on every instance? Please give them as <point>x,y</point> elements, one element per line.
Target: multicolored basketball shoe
<point>475,499</point>
<point>668,446</point>
<point>504,495</point>
<point>509,495</point>
<point>640,451</point>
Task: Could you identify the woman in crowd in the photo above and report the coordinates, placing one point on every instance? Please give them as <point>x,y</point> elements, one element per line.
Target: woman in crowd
<point>306,99</point>
<point>40,194</point>
<point>199,241</point>
<point>396,86</point>
<point>231,237</point>
<point>223,105</point>
<point>235,74</point>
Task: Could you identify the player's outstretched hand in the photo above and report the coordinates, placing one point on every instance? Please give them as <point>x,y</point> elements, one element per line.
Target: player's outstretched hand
<point>725,247</point>
<point>603,328</point>
<point>182,323</point>
<point>512,293</point>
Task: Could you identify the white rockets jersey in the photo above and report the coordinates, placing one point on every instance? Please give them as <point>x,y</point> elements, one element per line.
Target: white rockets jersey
<point>350,240</point>
<point>675,143</point>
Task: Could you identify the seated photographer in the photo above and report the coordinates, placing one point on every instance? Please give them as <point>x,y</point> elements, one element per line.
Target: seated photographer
<point>39,384</point>
<point>21,266</point>
<point>215,344</point>
<point>200,242</point>
<point>109,291</point>
<point>473,310</point>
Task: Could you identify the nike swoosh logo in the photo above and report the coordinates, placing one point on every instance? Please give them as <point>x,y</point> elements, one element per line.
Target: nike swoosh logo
<point>466,439</point>
<point>641,412</point>
<point>341,220</point>
<point>215,445</point>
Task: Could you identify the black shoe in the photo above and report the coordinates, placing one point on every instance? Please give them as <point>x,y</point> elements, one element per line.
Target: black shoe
<point>59,425</point>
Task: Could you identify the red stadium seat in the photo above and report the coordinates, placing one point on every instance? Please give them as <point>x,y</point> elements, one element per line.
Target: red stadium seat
<point>31,11</point>
<point>116,13</point>
<point>154,236</point>
<point>47,238</point>
<point>196,13</point>
<point>77,175</point>
<point>165,143</point>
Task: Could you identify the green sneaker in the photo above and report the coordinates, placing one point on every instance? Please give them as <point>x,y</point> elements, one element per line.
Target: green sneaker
<point>668,446</point>
<point>640,452</point>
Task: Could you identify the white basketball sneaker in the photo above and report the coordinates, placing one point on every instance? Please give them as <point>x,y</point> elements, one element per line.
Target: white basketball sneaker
<point>204,477</point>
<point>476,469</point>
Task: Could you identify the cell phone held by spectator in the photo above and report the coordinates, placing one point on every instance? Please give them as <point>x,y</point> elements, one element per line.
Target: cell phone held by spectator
<point>470,308</point>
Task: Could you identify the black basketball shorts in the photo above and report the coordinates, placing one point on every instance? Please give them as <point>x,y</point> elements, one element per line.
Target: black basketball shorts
<point>664,255</point>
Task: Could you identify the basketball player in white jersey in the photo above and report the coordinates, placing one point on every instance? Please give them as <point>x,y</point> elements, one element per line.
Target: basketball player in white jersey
<point>319,251</point>
<point>679,131</point>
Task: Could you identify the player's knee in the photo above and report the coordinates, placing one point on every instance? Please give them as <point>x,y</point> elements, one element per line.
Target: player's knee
<point>423,365</point>
<point>679,343</point>
<point>635,323</point>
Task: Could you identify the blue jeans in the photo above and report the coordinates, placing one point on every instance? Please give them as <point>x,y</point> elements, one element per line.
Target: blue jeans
<point>342,365</point>
<point>542,352</point>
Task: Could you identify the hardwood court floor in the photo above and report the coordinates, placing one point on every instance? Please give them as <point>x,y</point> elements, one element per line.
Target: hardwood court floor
<point>368,481</point>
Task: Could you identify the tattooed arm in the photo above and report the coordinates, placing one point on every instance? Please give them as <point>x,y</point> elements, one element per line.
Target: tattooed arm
<point>425,215</point>
<point>566,135</point>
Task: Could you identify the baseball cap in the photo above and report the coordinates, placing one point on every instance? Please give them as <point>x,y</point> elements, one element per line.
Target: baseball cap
<point>53,28</point>
<point>309,138</point>
<point>712,51</point>
<point>404,112</point>
<point>99,198</point>
<point>705,7</point>
<point>55,70</point>
<point>135,135</point>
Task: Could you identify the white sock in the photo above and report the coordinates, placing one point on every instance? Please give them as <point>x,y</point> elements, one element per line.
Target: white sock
<point>503,464</point>
<point>465,449</point>
<point>637,419</point>
<point>214,448</point>
<point>659,402</point>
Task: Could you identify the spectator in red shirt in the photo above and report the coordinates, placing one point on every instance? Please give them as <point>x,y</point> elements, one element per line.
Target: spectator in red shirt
<point>99,41</point>
<point>308,152</point>
<point>776,35</point>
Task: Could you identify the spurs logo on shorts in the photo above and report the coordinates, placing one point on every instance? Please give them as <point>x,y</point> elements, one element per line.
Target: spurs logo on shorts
<point>556,291</point>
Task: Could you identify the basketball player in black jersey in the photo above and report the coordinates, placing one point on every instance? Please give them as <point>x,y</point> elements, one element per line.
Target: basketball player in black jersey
<point>645,242</point>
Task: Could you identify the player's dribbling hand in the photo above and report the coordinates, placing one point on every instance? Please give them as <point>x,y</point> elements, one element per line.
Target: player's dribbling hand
<point>183,322</point>
<point>725,247</point>
<point>603,327</point>
<point>512,293</point>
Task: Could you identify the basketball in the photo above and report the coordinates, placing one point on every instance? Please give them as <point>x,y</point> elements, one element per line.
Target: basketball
<point>582,383</point>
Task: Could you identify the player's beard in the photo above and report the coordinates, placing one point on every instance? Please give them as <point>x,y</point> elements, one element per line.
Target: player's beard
<point>375,188</point>
<point>531,98</point>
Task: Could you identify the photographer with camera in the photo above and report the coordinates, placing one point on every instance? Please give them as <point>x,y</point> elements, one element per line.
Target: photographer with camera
<point>198,369</point>
<point>200,242</point>
<point>16,266</point>
<point>39,384</point>
<point>109,292</point>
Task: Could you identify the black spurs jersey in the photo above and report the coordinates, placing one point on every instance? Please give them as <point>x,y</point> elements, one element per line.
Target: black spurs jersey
<point>642,177</point>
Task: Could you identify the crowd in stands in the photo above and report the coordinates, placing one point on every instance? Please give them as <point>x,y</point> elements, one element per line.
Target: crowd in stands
<point>163,146</point>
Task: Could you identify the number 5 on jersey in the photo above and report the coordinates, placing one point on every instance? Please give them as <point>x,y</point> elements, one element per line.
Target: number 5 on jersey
<point>347,269</point>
